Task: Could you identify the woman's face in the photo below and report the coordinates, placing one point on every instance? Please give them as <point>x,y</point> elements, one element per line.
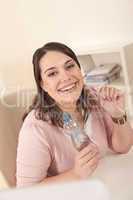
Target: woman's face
<point>61,77</point>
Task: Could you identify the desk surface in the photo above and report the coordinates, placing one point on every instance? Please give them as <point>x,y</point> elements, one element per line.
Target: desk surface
<point>116,172</point>
<point>112,180</point>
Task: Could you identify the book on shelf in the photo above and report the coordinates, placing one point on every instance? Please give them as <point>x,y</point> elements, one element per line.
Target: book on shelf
<point>104,70</point>
<point>104,81</point>
<point>103,74</point>
<point>102,78</point>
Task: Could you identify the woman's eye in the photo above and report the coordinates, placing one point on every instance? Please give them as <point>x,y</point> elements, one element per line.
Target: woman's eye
<point>52,74</point>
<point>70,66</point>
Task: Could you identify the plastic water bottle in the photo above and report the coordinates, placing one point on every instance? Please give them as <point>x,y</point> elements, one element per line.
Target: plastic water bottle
<point>79,138</point>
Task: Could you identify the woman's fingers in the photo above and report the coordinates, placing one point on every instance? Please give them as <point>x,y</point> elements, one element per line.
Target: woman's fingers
<point>87,154</point>
<point>86,161</point>
<point>89,148</point>
<point>93,163</point>
<point>109,93</point>
<point>89,157</point>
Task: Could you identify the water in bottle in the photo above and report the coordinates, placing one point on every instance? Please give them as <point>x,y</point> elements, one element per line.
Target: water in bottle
<point>79,138</point>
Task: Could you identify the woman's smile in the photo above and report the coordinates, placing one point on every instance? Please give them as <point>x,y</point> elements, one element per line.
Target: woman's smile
<point>68,88</point>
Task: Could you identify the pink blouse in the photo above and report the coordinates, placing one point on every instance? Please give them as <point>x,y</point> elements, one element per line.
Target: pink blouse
<point>45,150</point>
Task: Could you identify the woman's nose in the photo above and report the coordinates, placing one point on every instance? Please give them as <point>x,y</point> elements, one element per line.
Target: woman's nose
<point>65,75</point>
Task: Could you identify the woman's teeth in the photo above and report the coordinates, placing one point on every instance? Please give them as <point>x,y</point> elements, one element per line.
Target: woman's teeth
<point>68,88</point>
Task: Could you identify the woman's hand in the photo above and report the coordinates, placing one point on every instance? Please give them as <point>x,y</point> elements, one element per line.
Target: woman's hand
<point>112,100</point>
<point>86,161</point>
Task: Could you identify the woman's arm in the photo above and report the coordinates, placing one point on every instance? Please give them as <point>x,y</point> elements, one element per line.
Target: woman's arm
<point>66,176</point>
<point>86,162</point>
<point>122,137</point>
<point>113,102</point>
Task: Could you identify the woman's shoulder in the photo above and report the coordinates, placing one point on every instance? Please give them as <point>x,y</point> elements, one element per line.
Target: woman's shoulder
<point>33,128</point>
<point>32,119</point>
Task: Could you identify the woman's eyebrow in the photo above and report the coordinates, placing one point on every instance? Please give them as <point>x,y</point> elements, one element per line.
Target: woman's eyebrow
<point>51,68</point>
<point>70,60</point>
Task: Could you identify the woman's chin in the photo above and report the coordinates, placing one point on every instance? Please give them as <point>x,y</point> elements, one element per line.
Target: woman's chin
<point>69,102</point>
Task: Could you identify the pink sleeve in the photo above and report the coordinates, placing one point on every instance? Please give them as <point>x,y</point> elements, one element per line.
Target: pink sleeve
<point>33,155</point>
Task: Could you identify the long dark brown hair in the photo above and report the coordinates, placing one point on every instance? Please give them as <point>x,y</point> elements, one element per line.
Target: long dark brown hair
<point>44,105</point>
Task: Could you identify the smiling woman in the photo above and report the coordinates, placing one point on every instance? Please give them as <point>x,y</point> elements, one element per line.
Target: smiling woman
<point>63,81</point>
<point>45,154</point>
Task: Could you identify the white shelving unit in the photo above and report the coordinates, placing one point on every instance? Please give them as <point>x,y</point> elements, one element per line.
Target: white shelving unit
<point>122,54</point>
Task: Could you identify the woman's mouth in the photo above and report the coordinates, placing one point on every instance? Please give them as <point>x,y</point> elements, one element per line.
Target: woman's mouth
<point>68,88</point>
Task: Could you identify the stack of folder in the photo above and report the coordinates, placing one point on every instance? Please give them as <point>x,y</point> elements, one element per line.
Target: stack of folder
<point>103,74</point>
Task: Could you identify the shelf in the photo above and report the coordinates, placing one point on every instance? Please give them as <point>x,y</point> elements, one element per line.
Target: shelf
<point>121,53</point>
<point>118,83</point>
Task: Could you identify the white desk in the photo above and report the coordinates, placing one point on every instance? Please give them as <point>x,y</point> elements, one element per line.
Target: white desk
<point>116,172</point>
<point>113,180</point>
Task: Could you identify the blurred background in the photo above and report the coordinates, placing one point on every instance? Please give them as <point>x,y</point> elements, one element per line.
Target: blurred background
<point>27,25</point>
<point>102,29</point>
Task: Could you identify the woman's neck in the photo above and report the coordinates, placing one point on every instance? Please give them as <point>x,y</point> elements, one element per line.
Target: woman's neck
<point>75,114</point>
<point>70,108</point>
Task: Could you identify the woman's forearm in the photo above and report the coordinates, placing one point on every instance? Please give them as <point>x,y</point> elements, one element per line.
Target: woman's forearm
<point>122,137</point>
<point>64,177</point>
<point>86,162</point>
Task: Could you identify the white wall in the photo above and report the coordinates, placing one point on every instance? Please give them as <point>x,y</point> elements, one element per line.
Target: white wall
<point>26,25</point>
